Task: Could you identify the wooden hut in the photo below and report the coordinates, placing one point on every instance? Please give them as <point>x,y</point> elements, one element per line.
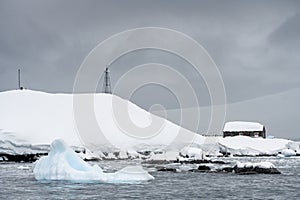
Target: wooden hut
<point>251,129</point>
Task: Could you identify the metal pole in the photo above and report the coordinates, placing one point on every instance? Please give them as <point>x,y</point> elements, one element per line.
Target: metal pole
<point>106,84</point>
<point>19,79</point>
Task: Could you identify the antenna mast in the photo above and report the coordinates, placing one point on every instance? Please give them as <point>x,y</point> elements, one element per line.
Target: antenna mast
<point>19,80</point>
<point>106,84</point>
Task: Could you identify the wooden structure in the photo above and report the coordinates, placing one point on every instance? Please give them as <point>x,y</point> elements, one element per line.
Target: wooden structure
<point>251,129</point>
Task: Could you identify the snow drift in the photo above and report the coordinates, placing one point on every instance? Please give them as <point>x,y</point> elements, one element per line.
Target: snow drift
<point>243,145</point>
<point>37,118</point>
<point>62,163</point>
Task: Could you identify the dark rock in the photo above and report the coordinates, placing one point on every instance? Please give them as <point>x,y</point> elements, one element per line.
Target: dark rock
<point>204,168</point>
<point>267,170</point>
<point>243,170</point>
<point>192,161</point>
<point>201,168</point>
<point>201,162</point>
<point>21,157</point>
<point>227,169</point>
<point>255,170</point>
<point>165,169</point>
<point>92,159</point>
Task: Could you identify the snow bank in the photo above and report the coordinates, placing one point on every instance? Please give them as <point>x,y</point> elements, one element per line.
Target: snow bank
<point>167,156</point>
<point>187,153</point>
<point>288,152</point>
<point>243,145</point>
<point>192,152</point>
<point>265,165</point>
<point>37,118</point>
<point>62,163</point>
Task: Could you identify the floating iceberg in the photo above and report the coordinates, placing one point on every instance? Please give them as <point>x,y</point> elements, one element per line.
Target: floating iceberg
<point>62,163</point>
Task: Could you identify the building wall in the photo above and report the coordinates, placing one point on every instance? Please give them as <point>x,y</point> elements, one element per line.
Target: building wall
<point>246,133</point>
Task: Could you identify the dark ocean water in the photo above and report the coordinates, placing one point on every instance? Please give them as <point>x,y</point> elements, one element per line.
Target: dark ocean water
<point>17,182</point>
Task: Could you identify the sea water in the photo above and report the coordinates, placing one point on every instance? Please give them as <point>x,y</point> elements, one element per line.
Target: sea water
<point>17,182</point>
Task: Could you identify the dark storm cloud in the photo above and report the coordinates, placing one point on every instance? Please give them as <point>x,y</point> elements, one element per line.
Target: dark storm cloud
<point>287,34</point>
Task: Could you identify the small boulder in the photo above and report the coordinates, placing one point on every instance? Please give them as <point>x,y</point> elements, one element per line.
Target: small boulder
<point>255,168</point>
<point>165,169</point>
<point>201,168</point>
<point>227,169</point>
<point>204,168</point>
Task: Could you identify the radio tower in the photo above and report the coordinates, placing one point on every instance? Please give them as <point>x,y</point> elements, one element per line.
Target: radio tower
<point>106,84</point>
<point>19,80</point>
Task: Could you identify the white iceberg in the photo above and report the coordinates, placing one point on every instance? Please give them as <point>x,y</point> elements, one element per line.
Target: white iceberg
<point>62,163</point>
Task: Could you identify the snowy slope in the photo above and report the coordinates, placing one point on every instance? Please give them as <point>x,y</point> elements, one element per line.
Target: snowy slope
<point>37,118</point>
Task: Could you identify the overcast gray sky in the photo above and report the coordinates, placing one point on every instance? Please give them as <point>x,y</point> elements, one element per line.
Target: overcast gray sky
<point>255,44</point>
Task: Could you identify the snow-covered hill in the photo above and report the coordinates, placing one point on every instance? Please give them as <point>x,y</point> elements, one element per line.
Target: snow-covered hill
<point>30,119</point>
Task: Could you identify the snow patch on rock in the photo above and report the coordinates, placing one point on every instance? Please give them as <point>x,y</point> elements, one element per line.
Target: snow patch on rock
<point>288,152</point>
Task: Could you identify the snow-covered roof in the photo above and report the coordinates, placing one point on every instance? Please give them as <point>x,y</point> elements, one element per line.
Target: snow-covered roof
<point>236,126</point>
